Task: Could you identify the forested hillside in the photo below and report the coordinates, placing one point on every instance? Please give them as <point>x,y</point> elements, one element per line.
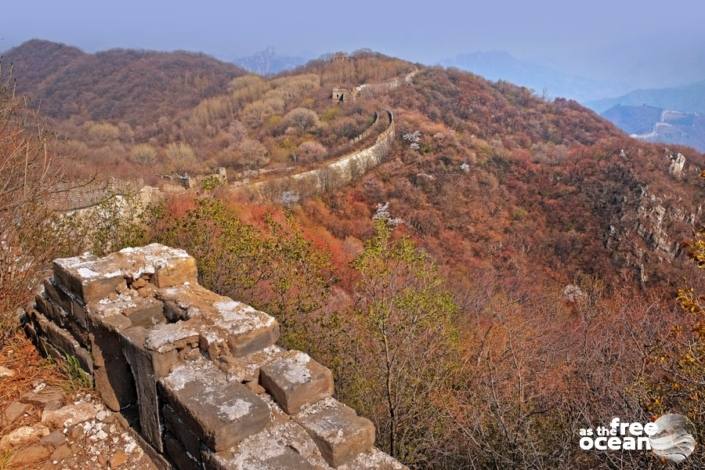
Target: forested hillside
<point>116,85</point>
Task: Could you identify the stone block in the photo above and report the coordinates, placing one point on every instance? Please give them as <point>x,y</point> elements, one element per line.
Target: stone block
<point>112,375</point>
<point>62,340</point>
<point>220,412</point>
<point>50,310</point>
<point>91,279</point>
<point>296,380</point>
<point>246,369</point>
<point>248,330</point>
<point>44,396</point>
<point>145,312</point>
<point>88,278</point>
<point>373,459</point>
<point>115,385</point>
<point>228,323</point>
<point>69,309</point>
<point>176,426</point>
<point>142,367</point>
<point>167,266</point>
<point>173,336</point>
<point>187,301</point>
<point>179,456</point>
<point>337,430</point>
<point>280,446</point>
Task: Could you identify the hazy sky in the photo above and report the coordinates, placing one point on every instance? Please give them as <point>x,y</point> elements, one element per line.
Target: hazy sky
<point>644,42</point>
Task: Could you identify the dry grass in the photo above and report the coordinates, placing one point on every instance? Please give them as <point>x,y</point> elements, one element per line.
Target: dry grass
<point>20,355</point>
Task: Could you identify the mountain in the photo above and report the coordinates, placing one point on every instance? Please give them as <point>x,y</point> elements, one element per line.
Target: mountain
<point>268,62</point>
<point>688,98</point>
<point>121,85</point>
<point>654,124</point>
<point>634,119</point>
<point>500,65</point>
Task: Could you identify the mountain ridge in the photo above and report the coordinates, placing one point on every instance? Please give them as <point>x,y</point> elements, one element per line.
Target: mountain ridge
<point>66,81</point>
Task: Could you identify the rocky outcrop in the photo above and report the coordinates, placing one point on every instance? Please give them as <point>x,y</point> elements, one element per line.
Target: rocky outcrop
<point>200,373</point>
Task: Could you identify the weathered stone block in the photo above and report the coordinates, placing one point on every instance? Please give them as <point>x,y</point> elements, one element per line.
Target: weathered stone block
<point>145,312</point>
<point>72,311</point>
<point>221,413</point>
<point>373,459</point>
<point>142,367</point>
<point>172,336</point>
<point>167,266</point>
<point>187,301</point>
<point>247,330</point>
<point>115,385</point>
<point>296,380</point>
<point>62,340</point>
<point>88,278</point>
<point>337,430</point>
<point>176,426</point>
<point>45,396</point>
<point>246,368</point>
<point>242,328</point>
<point>113,376</point>
<point>284,445</point>
<point>179,456</point>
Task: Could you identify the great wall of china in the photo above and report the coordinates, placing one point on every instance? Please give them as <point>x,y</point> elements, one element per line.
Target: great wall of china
<point>286,188</point>
<point>331,175</point>
<point>199,376</point>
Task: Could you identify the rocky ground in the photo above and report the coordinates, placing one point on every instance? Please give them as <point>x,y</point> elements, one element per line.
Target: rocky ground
<point>48,420</point>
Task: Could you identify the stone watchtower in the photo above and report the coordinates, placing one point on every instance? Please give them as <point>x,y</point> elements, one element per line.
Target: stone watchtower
<point>341,95</point>
<point>201,373</point>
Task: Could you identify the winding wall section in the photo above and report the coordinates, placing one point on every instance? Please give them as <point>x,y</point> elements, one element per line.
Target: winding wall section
<point>332,175</point>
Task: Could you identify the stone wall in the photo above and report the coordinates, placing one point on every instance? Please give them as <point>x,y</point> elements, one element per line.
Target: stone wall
<point>199,375</point>
<point>331,175</point>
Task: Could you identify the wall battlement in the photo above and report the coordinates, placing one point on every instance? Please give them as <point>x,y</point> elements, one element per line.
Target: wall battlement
<point>200,374</point>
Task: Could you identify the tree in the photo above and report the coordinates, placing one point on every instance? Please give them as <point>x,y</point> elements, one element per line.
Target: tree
<point>310,151</point>
<point>272,267</point>
<point>403,343</point>
<point>301,119</point>
<point>181,156</point>
<point>144,154</point>
<point>254,154</point>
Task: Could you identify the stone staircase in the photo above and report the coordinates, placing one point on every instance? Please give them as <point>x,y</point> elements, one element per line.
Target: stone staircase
<point>198,375</point>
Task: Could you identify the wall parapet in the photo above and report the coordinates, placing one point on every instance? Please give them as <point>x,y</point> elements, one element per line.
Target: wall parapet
<point>201,374</point>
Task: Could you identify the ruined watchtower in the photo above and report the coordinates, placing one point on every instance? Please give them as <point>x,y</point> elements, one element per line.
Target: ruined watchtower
<point>341,95</point>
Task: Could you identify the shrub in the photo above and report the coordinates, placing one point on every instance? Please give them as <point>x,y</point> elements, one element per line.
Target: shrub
<point>302,119</point>
<point>181,156</point>
<point>144,154</point>
<point>310,151</point>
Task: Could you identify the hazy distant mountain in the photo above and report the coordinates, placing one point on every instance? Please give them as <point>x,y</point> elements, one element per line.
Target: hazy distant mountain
<point>687,98</point>
<point>634,119</point>
<point>268,62</point>
<point>499,65</point>
<point>658,125</point>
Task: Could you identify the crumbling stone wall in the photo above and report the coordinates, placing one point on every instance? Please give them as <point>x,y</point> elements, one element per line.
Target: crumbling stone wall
<point>199,375</point>
<point>331,175</point>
